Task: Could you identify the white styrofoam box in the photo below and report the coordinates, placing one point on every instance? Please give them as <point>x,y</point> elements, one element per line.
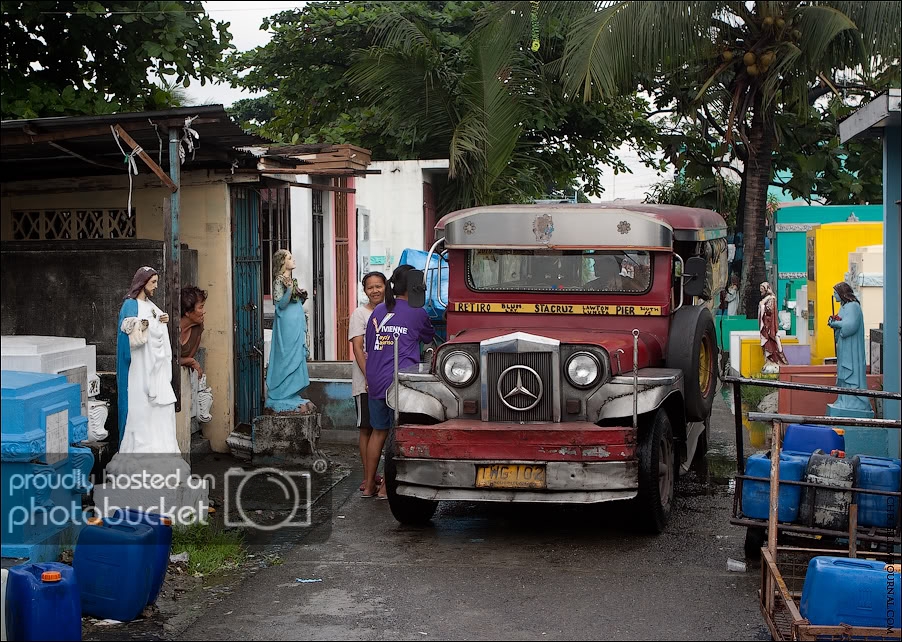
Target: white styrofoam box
<point>69,356</point>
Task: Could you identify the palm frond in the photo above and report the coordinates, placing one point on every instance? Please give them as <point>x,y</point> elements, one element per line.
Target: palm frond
<point>819,27</point>
<point>607,48</point>
<point>877,22</point>
<point>397,32</point>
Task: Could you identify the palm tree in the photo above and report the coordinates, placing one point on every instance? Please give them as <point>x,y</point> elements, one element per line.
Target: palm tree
<point>752,57</point>
<point>472,101</point>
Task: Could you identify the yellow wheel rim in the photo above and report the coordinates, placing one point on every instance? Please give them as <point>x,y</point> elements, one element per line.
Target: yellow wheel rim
<point>704,367</point>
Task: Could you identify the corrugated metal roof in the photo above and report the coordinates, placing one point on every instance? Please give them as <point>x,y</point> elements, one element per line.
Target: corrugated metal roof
<point>75,146</point>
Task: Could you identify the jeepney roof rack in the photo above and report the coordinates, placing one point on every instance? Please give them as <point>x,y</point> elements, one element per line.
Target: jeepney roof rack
<point>578,226</point>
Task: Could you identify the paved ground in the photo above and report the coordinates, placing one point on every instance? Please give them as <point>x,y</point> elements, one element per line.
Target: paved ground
<point>503,572</point>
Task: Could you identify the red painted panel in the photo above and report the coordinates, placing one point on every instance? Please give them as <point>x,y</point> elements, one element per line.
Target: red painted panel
<point>802,402</point>
<point>470,439</point>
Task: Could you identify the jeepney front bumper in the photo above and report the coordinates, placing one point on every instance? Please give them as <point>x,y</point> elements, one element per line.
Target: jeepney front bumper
<point>579,462</point>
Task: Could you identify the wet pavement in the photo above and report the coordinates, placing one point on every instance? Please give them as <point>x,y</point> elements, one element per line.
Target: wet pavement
<point>479,571</point>
<point>485,571</point>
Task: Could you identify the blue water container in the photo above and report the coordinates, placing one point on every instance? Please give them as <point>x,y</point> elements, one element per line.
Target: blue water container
<point>43,603</point>
<point>114,564</point>
<point>756,494</point>
<point>806,438</point>
<point>857,592</point>
<point>877,473</point>
<point>162,528</point>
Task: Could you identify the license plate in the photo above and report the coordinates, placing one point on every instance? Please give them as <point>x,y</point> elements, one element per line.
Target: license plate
<point>510,476</point>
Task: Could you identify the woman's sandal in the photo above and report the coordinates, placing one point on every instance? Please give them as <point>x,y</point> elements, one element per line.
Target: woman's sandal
<point>379,481</point>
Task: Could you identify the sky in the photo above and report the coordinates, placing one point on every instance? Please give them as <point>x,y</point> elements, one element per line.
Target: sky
<point>244,20</point>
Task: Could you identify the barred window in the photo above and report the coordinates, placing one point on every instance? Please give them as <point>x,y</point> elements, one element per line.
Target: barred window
<point>71,224</point>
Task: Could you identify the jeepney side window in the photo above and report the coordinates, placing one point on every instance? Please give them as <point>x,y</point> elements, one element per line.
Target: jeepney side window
<point>609,271</point>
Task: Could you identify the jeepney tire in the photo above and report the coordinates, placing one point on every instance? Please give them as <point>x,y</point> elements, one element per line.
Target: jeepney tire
<point>655,442</point>
<point>411,511</point>
<point>691,333</point>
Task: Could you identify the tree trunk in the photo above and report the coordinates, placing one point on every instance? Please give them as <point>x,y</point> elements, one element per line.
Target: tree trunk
<point>757,180</point>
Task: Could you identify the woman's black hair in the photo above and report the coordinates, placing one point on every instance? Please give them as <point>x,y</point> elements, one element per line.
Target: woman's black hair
<point>370,274</point>
<point>397,285</point>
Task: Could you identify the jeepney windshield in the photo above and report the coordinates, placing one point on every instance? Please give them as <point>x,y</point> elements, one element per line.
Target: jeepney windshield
<point>605,271</point>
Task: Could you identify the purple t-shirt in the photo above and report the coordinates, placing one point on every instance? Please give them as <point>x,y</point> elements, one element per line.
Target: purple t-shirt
<point>412,325</point>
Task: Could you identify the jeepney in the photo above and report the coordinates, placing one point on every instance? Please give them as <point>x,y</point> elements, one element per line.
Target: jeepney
<point>580,365</point>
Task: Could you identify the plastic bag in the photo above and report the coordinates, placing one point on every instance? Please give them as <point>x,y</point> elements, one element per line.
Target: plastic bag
<point>204,401</point>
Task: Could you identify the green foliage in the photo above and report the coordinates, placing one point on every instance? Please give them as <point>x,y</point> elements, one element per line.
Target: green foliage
<point>709,192</point>
<point>438,80</point>
<point>70,58</point>
<point>210,548</point>
<point>303,68</point>
<point>730,71</point>
<point>821,166</point>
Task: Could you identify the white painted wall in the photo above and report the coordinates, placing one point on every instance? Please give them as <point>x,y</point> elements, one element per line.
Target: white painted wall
<point>394,199</point>
<point>302,244</point>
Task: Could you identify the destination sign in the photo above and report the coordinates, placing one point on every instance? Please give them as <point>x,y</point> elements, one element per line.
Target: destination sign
<point>557,308</point>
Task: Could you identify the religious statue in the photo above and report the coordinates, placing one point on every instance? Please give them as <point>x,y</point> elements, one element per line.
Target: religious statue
<point>148,473</point>
<point>144,381</point>
<point>767,326</point>
<point>848,330</point>
<point>286,373</point>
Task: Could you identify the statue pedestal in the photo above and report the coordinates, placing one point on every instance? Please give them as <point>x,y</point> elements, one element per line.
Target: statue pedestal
<point>862,441</point>
<point>155,484</point>
<point>287,438</point>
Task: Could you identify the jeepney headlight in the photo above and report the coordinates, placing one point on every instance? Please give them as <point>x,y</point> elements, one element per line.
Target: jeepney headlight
<point>583,369</point>
<point>459,369</point>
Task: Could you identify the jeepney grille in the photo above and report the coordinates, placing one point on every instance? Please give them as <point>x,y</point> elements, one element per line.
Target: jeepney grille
<point>542,363</point>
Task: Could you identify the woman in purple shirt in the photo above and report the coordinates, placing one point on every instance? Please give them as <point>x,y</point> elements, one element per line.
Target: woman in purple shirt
<point>393,320</point>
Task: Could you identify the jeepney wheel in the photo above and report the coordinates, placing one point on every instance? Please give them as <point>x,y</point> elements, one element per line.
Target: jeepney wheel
<point>407,510</point>
<point>697,358</point>
<point>657,472</point>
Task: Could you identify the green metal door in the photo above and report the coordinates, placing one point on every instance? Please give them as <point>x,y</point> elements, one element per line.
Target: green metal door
<point>248,297</point>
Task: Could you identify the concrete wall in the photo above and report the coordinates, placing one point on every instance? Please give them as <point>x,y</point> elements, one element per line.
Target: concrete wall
<point>205,226</point>
<point>395,203</point>
<point>865,275</point>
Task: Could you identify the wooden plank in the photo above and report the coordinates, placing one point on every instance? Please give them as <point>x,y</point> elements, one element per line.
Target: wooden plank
<point>323,188</point>
<point>156,169</point>
<point>772,519</point>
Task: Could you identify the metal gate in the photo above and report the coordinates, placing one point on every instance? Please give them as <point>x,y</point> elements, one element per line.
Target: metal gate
<point>248,296</point>
<point>319,279</point>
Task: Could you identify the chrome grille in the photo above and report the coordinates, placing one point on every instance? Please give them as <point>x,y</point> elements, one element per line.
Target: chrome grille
<point>542,363</point>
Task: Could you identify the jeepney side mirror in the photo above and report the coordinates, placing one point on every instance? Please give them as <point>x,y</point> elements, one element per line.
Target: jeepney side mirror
<point>694,276</point>
<point>416,289</point>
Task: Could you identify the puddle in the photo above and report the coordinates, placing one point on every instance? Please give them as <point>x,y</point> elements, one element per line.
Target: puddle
<point>721,467</point>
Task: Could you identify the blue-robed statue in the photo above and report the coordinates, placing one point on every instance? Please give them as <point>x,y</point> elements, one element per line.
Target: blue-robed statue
<point>286,373</point>
<point>851,371</point>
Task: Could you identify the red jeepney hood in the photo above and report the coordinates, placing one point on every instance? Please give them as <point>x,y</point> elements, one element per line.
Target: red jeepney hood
<point>650,349</point>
